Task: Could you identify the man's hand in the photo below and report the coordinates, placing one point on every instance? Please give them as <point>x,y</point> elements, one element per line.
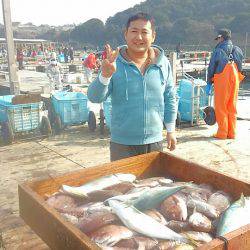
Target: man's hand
<point>108,65</point>
<point>171,141</point>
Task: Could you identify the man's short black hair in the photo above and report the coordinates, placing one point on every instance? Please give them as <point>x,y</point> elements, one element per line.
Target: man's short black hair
<point>143,16</point>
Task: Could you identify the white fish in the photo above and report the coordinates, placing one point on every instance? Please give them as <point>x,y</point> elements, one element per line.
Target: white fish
<point>142,223</point>
<point>236,216</point>
<point>130,196</point>
<point>98,184</point>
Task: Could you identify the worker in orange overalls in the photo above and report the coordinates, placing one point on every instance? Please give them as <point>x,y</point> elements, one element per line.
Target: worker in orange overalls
<point>224,72</point>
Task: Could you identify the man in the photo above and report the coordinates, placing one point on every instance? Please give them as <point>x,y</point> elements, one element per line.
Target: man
<point>54,74</point>
<point>89,66</point>
<point>225,72</point>
<point>19,58</point>
<point>139,80</point>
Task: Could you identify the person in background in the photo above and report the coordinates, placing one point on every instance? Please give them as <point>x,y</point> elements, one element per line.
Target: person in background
<point>19,58</point>
<point>138,78</point>
<point>224,72</point>
<point>71,54</point>
<point>33,53</point>
<point>54,75</point>
<point>89,66</point>
<point>53,55</point>
<point>66,54</point>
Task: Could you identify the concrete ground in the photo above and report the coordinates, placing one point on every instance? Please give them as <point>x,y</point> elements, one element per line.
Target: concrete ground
<point>77,148</point>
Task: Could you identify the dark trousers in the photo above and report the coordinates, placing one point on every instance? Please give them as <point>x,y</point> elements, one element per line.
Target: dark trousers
<point>120,151</point>
<point>20,65</point>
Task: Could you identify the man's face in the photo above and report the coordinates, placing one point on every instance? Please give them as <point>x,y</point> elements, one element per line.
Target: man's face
<point>218,40</point>
<point>139,35</point>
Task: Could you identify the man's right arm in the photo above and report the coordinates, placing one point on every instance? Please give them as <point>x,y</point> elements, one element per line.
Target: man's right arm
<point>212,67</point>
<point>99,89</point>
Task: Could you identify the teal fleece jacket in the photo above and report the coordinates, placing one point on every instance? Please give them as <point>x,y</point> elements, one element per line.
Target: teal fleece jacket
<point>140,103</point>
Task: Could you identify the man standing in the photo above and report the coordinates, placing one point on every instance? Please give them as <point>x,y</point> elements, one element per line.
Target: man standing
<point>19,58</point>
<point>138,78</point>
<point>89,66</point>
<point>225,72</point>
<point>54,74</point>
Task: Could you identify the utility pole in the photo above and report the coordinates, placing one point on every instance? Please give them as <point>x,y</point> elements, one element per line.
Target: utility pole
<point>173,62</point>
<point>13,78</point>
<point>246,45</point>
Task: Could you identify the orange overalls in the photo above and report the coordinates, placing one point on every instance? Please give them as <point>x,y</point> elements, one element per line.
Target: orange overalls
<point>226,87</point>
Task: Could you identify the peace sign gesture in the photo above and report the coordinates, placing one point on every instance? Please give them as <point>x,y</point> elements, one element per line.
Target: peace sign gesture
<point>108,65</point>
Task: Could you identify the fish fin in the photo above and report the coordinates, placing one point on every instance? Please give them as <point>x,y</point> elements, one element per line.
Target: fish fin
<point>194,210</point>
<point>191,241</point>
<point>242,200</point>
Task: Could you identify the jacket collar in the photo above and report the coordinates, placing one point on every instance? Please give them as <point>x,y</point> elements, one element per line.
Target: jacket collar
<point>158,60</point>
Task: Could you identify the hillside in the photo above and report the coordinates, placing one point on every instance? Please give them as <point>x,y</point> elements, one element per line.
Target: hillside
<point>189,22</point>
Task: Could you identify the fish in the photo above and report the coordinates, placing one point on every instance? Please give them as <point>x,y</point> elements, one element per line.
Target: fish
<point>137,189</point>
<point>153,197</point>
<point>203,207</point>
<point>156,215</point>
<point>61,202</point>
<point>165,245</point>
<point>148,182</point>
<point>142,223</point>
<point>199,192</point>
<point>200,222</point>
<point>198,236</point>
<point>122,187</point>
<point>98,184</point>
<point>179,226</point>
<point>102,195</point>
<point>109,235</point>
<point>165,181</point>
<point>92,222</point>
<point>71,218</point>
<point>183,247</point>
<point>116,248</point>
<point>220,200</point>
<point>96,207</point>
<point>66,204</point>
<point>236,216</point>
<point>137,242</point>
<point>129,197</point>
<point>170,245</point>
<point>174,208</point>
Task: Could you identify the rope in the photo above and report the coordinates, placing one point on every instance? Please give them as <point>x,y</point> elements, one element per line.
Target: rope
<point>225,240</point>
<point>65,157</point>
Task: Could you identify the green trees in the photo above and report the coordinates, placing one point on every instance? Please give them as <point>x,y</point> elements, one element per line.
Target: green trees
<point>189,22</point>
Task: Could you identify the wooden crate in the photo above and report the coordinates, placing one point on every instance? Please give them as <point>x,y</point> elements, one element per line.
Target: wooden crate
<point>60,234</point>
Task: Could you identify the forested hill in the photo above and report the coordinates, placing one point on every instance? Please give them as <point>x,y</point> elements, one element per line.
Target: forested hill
<point>185,21</point>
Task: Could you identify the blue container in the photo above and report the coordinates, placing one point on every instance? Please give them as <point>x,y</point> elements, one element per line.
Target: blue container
<point>188,97</point>
<point>22,117</point>
<point>71,107</point>
<point>107,109</point>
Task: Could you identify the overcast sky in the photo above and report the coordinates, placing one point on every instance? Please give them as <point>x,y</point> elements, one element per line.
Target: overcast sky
<point>59,12</point>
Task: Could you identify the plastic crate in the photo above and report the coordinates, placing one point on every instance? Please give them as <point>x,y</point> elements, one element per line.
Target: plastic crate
<point>71,107</point>
<point>22,117</point>
<point>192,98</point>
<point>107,109</point>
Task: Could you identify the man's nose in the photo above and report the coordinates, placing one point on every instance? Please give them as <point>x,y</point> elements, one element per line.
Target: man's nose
<point>139,35</point>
